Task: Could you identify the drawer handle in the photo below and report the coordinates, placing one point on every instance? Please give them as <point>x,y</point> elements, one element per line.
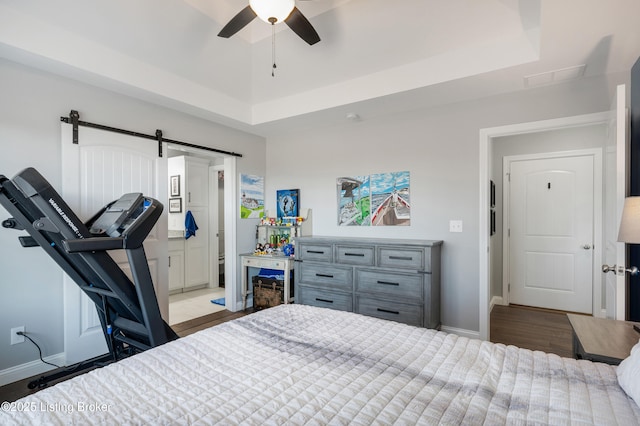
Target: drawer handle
<point>315,251</point>
<point>324,275</point>
<point>354,254</point>
<point>388,311</point>
<point>388,283</point>
<point>400,257</point>
<point>324,300</point>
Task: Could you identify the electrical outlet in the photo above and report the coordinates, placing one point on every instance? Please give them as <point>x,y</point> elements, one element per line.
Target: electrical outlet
<point>15,337</point>
<point>455,226</point>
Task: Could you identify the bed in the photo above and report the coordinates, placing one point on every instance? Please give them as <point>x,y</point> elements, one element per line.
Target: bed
<point>295,364</point>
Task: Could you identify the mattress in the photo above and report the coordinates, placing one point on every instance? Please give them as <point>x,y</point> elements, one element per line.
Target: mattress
<point>295,364</point>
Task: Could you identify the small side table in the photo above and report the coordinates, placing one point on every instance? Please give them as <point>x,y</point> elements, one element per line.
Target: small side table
<point>281,263</point>
<point>602,340</point>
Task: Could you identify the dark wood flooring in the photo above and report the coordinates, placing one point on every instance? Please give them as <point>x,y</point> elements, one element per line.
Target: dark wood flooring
<point>531,328</point>
<point>19,389</point>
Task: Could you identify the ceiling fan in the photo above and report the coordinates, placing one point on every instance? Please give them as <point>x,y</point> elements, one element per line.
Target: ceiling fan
<point>273,12</point>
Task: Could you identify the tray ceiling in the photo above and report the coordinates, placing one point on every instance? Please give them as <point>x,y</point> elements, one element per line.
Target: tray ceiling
<point>372,51</point>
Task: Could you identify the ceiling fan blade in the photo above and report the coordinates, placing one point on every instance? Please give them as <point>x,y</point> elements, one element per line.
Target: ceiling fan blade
<point>301,26</point>
<point>238,22</point>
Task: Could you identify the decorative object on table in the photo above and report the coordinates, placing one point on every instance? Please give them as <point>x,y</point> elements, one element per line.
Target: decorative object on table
<point>174,186</point>
<point>288,250</point>
<point>287,204</point>
<point>190,225</point>
<point>175,205</point>
<point>252,201</point>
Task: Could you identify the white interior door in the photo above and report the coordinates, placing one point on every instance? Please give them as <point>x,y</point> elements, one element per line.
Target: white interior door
<point>616,190</point>
<point>102,167</point>
<point>551,223</point>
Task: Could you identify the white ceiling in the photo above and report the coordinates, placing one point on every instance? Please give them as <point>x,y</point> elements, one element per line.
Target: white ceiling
<point>375,55</point>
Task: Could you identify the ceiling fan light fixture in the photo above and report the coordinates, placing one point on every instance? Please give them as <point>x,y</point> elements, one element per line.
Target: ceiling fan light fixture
<point>272,11</point>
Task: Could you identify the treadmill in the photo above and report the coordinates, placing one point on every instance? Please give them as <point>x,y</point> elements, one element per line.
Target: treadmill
<point>128,310</point>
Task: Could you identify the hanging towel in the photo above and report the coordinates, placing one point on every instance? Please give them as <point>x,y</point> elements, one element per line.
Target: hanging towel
<point>190,225</point>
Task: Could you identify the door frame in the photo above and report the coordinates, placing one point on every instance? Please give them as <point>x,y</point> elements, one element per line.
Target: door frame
<point>229,166</point>
<point>596,285</point>
<point>486,137</point>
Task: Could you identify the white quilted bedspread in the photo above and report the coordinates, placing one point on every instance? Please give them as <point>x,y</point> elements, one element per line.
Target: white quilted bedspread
<point>297,364</point>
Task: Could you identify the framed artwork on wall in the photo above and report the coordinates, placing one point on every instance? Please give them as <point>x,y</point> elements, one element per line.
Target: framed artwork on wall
<point>493,194</point>
<point>287,201</point>
<point>252,201</point>
<point>174,186</point>
<point>175,205</point>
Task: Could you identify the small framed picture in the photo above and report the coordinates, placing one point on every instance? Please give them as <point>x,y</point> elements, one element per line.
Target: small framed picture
<point>175,205</point>
<point>493,194</point>
<point>493,222</point>
<point>287,201</point>
<point>174,186</point>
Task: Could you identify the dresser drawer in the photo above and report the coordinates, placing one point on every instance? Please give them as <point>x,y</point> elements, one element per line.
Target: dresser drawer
<point>355,255</point>
<point>266,262</point>
<point>395,285</point>
<point>325,298</point>
<point>315,252</point>
<point>405,258</point>
<point>325,276</point>
<point>390,310</point>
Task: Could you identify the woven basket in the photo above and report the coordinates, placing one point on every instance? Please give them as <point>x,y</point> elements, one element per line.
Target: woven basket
<point>267,295</point>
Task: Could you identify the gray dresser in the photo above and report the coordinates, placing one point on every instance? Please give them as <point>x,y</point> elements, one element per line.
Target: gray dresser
<point>392,279</point>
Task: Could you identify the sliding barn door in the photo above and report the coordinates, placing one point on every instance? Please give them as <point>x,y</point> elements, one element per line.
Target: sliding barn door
<point>99,169</point>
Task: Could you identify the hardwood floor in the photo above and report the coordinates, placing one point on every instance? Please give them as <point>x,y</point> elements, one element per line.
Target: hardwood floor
<point>197,324</point>
<point>19,389</point>
<point>532,328</point>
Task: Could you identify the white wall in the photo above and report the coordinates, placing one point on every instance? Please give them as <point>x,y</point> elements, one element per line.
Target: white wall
<point>31,105</point>
<point>440,148</point>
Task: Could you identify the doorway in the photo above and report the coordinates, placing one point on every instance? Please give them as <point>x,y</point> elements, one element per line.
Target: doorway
<point>490,245</point>
<point>206,296</point>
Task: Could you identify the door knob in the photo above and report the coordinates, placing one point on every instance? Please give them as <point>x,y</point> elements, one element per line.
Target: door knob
<point>586,246</point>
<point>620,270</point>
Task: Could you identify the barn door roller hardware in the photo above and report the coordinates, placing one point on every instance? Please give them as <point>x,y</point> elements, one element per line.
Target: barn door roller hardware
<point>74,120</point>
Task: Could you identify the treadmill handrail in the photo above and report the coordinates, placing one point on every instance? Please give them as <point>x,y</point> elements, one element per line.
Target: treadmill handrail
<point>93,244</point>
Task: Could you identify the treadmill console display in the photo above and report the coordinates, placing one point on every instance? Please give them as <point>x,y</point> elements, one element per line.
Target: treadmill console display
<point>119,215</point>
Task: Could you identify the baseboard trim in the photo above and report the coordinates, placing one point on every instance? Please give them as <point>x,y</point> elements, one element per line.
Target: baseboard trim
<point>495,300</point>
<point>461,332</point>
<point>239,304</point>
<point>29,369</point>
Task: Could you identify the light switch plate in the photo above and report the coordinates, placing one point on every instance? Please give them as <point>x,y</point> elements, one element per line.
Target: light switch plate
<point>455,226</point>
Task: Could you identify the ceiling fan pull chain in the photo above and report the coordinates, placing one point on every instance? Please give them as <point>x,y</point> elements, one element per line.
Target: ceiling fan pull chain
<point>273,49</point>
